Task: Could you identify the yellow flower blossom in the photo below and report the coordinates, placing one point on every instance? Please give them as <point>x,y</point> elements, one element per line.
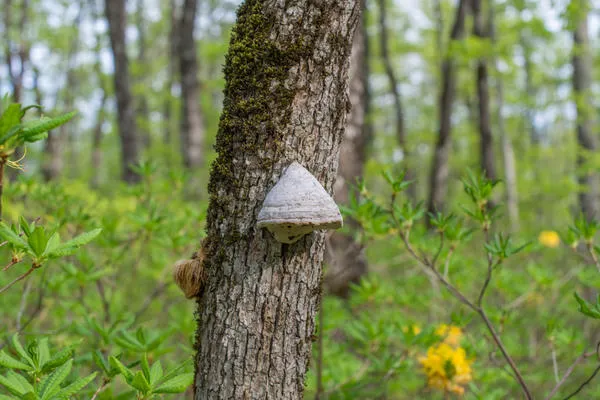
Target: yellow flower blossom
<point>549,239</point>
<point>452,334</point>
<point>414,329</point>
<point>447,368</point>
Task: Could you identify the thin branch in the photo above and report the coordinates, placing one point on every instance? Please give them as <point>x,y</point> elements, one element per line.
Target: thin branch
<point>588,380</point>
<point>23,304</point>
<point>105,382</point>
<point>20,278</point>
<point>490,265</point>
<point>570,370</point>
<point>11,263</point>
<point>477,308</point>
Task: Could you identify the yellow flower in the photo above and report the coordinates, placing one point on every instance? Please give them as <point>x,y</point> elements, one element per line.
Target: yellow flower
<point>549,239</point>
<point>414,329</point>
<point>447,368</point>
<point>452,334</point>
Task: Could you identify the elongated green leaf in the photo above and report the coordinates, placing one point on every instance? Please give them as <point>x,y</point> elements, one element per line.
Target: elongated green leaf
<point>43,354</point>
<point>140,382</point>
<point>177,384</point>
<point>126,372</point>
<point>58,359</point>
<point>146,367</point>
<point>12,386</point>
<point>19,349</point>
<point>38,240</point>
<point>68,391</point>
<point>53,243</point>
<point>10,117</point>
<point>14,131</point>
<point>32,130</point>
<point>7,234</point>
<point>51,385</point>
<point>70,246</point>
<point>156,372</point>
<point>24,226</point>
<point>101,362</point>
<point>9,362</point>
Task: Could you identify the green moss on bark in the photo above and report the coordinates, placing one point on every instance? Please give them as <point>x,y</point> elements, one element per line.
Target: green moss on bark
<point>257,102</point>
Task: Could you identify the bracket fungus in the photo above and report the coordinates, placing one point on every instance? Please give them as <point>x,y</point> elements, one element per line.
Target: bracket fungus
<point>298,205</point>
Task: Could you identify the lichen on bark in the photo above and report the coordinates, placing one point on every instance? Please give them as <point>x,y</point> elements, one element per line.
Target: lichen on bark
<point>285,100</point>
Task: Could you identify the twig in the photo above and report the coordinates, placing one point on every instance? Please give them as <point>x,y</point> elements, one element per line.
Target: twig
<point>157,292</point>
<point>554,364</point>
<point>11,263</point>
<point>105,382</point>
<point>23,304</point>
<point>590,248</point>
<point>447,263</point>
<point>570,370</point>
<point>478,309</point>
<point>25,275</point>
<point>588,380</point>
<point>490,268</point>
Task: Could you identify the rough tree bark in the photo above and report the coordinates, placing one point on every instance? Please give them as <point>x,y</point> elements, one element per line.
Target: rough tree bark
<point>486,139</point>
<point>508,154</point>
<point>582,80</point>
<point>285,100</point>
<point>395,90</point>
<point>345,257</point>
<point>192,120</point>
<point>438,183</point>
<point>116,17</point>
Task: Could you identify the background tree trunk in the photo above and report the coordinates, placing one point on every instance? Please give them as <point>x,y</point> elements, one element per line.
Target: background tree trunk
<point>116,17</point>
<point>395,90</point>
<point>55,143</point>
<point>345,257</point>
<point>172,73</point>
<point>582,81</point>
<point>438,184</point>
<point>508,154</point>
<point>192,120</point>
<point>142,113</point>
<point>285,100</point>
<point>486,139</point>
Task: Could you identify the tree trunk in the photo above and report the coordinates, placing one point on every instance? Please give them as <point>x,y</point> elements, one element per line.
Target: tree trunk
<point>16,74</point>
<point>508,154</point>
<point>142,113</point>
<point>486,139</point>
<point>172,72</point>
<point>97,142</point>
<point>582,81</point>
<point>116,17</point>
<point>438,184</point>
<point>285,100</point>
<point>398,109</point>
<point>345,256</point>
<point>192,120</point>
<point>54,146</point>
<point>530,91</point>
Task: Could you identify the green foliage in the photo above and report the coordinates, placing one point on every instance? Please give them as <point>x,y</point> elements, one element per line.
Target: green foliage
<point>15,132</point>
<point>40,372</point>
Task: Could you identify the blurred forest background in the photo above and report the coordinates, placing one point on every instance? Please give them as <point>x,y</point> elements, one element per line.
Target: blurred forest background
<point>506,86</point>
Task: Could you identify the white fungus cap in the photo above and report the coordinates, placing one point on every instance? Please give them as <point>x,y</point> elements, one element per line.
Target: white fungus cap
<point>298,205</point>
